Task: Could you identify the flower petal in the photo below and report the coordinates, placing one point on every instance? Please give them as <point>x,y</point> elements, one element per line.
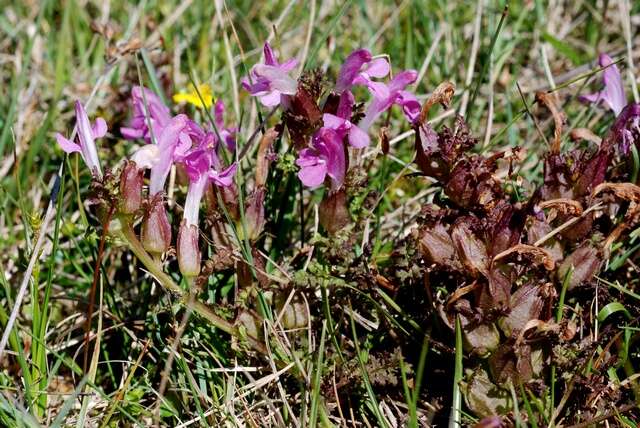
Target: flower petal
<point>224,178</point>
<point>378,68</point>
<point>131,133</point>
<point>402,80</point>
<point>167,143</point>
<point>289,65</point>
<point>269,56</point>
<point>313,175</point>
<point>333,122</point>
<point>270,99</point>
<point>192,201</point>
<point>378,89</point>
<point>345,106</point>
<point>146,156</point>
<point>99,128</point>
<point>66,145</point>
<point>350,69</point>
<point>358,138</point>
<point>85,136</point>
<point>614,89</point>
<point>410,105</point>
<point>277,78</point>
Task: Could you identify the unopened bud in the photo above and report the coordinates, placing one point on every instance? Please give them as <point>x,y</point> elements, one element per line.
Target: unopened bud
<point>130,188</point>
<point>254,215</point>
<point>188,251</point>
<point>156,230</point>
<point>333,212</point>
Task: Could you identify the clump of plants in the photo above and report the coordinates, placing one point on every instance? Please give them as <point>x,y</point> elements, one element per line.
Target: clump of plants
<point>263,235</point>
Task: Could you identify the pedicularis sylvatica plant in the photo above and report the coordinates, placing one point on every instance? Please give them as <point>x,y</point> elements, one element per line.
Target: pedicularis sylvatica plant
<point>504,251</point>
<point>326,127</point>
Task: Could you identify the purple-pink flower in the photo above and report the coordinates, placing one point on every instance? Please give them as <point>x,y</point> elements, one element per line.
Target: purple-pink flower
<point>158,115</point>
<point>359,68</point>
<point>613,93</point>
<point>199,166</point>
<point>626,128</point>
<point>228,135</point>
<point>341,124</point>
<point>87,134</point>
<point>159,157</point>
<point>395,94</point>
<point>326,157</point>
<point>271,80</point>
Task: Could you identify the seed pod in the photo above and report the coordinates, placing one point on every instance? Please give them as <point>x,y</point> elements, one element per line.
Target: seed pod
<point>188,251</point>
<point>156,230</point>
<point>130,188</point>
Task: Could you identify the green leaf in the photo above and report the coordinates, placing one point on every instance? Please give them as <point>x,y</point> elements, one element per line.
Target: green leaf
<point>563,48</point>
<point>612,308</point>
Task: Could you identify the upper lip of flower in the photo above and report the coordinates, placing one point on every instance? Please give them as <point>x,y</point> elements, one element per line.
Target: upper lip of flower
<point>158,115</point>
<point>86,138</point>
<point>613,92</point>
<point>395,94</point>
<point>271,80</point>
<point>359,68</point>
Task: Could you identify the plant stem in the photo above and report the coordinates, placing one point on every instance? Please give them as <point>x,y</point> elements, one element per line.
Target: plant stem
<point>128,235</point>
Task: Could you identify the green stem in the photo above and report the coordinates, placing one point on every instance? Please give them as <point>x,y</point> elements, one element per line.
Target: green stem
<point>128,235</point>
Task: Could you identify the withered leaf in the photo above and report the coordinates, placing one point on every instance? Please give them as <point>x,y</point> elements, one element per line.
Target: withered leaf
<point>563,205</point>
<point>470,249</point>
<point>626,191</point>
<point>585,261</point>
<point>526,304</point>
<point>436,245</point>
<point>537,254</point>
<point>479,338</point>
<point>559,118</point>
<point>482,396</point>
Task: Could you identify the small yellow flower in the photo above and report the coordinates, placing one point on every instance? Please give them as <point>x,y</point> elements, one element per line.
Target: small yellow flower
<point>193,98</point>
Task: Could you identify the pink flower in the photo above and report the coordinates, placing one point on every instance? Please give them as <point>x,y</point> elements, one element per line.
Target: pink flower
<point>411,107</point>
<point>198,164</point>
<point>159,157</point>
<point>271,80</point>
<point>359,68</point>
<point>613,93</point>
<point>626,128</point>
<point>326,157</point>
<point>202,166</point>
<point>228,135</point>
<point>341,124</point>
<point>87,134</point>
<point>395,94</point>
<point>158,114</point>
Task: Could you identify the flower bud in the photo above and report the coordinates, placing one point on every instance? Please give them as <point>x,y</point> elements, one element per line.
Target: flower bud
<point>254,214</point>
<point>130,188</point>
<point>156,230</point>
<point>333,212</point>
<point>188,251</point>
